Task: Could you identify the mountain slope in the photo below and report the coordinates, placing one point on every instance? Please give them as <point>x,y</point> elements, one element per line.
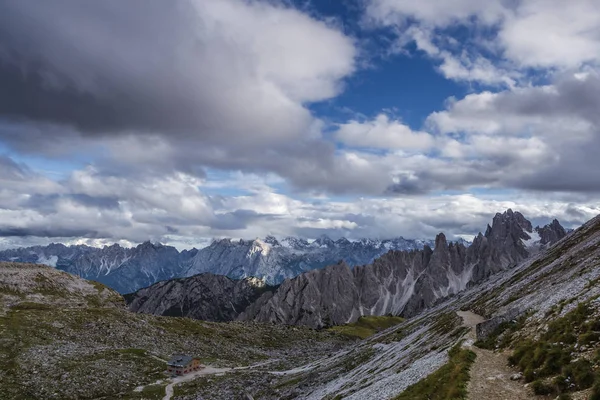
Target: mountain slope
<point>62,337</point>
<point>206,296</point>
<point>554,292</point>
<point>401,283</point>
<point>34,284</point>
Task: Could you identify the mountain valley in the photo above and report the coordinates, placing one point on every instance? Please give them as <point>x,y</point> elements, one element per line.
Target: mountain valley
<point>536,305</point>
<point>397,283</point>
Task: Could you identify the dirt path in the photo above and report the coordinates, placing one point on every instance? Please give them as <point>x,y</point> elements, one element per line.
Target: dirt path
<point>490,374</point>
<point>207,370</point>
<point>204,371</point>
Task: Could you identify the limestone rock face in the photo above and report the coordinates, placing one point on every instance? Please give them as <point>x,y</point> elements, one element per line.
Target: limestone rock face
<point>207,297</point>
<point>398,282</point>
<point>510,240</point>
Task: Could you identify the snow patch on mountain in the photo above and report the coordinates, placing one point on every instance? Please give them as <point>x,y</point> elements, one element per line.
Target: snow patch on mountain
<point>534,238</point>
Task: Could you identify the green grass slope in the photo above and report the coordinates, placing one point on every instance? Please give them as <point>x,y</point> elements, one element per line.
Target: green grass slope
<point>367,326</point>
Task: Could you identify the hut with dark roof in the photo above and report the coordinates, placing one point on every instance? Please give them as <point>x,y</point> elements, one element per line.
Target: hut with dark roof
<point>181,364</point>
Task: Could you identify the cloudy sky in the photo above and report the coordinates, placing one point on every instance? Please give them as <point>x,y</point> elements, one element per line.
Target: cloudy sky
<point>178,121</point>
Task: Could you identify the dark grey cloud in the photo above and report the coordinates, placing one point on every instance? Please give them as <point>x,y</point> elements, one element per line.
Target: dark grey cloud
<point>102,68</point>
<point>409,186</point>
<point>46,203</point>
<point>541,138</point>
<point>7,231</point>
<point>576,162</point>
<point>173,68</point>
<point>569,97</point>
<point>238,220</point>
<point>207,82</point>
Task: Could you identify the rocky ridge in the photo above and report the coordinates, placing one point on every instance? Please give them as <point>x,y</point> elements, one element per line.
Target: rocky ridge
<point>276,260</point>
<point>123,269</point>
<point>543,290</point>
<point>129,269</point>
<point>206,296</point>
<point>402,282</point>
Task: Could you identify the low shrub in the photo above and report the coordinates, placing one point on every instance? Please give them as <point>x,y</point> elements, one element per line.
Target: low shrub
<point>595,395</point>
<point>580,373</point>
<point>550,356</point>
<point>542,389</point>
<point>588,337</point>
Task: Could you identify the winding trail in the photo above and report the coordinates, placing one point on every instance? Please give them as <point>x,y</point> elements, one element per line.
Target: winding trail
<point>490,374</point>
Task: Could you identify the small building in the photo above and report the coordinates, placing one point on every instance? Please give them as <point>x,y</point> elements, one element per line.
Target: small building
<point>181,364</point>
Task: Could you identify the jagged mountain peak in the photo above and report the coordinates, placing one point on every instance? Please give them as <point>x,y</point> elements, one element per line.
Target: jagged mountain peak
<point>112,246</point>
<point>294,242</point>
<point>342,241</point>
<point>205,296</point>
<point>510,220</point>
<point>440,240</point>
<point>550,233</point>
<point>272,240</point>
<point>258,246</point>
<point>324,240</point>
<point>149,245</point>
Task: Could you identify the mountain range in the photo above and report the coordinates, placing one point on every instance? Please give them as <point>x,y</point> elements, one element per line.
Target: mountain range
<point>397,283</point>
<point>129,269</point>
<point>122,269</point>
<point>539,315</point>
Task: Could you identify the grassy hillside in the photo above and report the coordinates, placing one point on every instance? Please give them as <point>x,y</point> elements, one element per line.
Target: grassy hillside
<point>62,337</point>
<point>447,383</point>
<point>367,326</point>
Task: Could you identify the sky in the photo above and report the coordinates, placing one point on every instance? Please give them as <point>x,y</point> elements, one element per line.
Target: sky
<point>182,121</point>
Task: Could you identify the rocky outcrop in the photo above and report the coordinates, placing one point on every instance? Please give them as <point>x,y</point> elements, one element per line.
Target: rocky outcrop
<point>501,246</point>
<point>32,285</point>
<point>207,297</point>
<point>486,328</point>
<point>508,241</point>
<point>551,233</point>
<point>401,282</point>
